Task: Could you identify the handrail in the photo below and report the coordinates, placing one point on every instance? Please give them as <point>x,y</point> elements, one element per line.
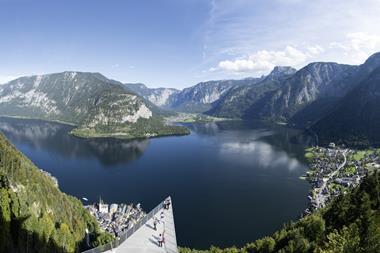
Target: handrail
<point>128,233</point>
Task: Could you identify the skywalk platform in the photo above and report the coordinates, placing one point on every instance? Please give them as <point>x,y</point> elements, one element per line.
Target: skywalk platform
<point>145,239</point>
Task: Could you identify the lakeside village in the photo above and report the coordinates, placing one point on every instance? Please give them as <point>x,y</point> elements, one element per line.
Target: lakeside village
<point>334,170</point>
<point>115,218</point>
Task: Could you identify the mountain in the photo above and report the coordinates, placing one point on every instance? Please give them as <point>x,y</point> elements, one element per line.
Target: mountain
<point>158,96</point>
<point>307,86</point>
<point>355,120</point>
<point>98,106</point>
<point>196,99</point>
<point>338,102</point>
<point>35,216</point>
<point>200,98</point>
<point>288,95</point>
<point>240,99</point>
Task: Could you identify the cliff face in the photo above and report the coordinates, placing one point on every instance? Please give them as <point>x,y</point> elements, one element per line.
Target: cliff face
<point>240,101</point>
<point>35,216</point>
<point>313,82</point>
<point>195,99</point>
<point>201,97</point>
<point>158,96</point>
<point>356,118</point>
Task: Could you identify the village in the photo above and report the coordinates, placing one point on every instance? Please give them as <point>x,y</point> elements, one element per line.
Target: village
<point>116,218</point>
<point>336,169</point>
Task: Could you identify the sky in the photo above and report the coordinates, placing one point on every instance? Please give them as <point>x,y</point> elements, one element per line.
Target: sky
<point>178,43</point>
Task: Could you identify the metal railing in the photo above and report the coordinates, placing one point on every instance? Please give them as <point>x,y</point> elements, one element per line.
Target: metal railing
<point>128,233</point>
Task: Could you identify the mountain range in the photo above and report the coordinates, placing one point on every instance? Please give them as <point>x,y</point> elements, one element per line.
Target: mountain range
<point>336,102</point>
<point>159,96</point>
<point>196,99</point>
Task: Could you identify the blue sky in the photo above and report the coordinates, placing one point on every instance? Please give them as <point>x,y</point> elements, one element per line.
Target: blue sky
<point>177,43</point>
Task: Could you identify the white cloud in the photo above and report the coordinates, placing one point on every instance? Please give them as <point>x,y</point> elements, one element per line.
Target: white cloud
<point>352,48</point>
<point>364,41</point>
<point>315,50</point>
<point>258,152</point>
<point>358,46</point>
<point>237,31</point>
<point>263,61</point>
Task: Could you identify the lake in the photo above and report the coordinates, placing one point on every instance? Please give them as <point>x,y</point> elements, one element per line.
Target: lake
<point>231,182</point>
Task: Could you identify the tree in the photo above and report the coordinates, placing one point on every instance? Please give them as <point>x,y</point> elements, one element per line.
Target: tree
<point>5,220</point>
<point>314,227</point>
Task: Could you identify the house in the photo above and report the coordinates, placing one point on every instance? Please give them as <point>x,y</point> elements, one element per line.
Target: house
<point>113,208</point>
<point>102,207</point>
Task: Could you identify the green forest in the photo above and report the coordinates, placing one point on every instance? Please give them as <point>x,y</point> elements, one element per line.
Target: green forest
<point>349,224</point>
<point>35,216</point>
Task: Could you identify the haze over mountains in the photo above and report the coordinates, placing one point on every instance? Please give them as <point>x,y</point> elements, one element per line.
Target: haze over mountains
<point>335,101</point>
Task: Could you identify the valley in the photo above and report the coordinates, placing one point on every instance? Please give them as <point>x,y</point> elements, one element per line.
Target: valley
<point>313,98</point>
<point>324,98</point>
<point>198,126</point>
<point>252,124</point>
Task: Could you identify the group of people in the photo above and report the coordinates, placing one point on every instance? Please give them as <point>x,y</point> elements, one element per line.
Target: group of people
<point>161,236</point>
<point>156,221</point>
<point>167,204</point>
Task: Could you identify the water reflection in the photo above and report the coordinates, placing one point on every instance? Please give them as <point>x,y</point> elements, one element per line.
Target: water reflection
<point>42,135</point>
<point>210,128</point>
<point>259,153</point>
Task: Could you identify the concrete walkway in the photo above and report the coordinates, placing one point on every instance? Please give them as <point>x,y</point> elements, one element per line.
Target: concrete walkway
<point>145,239</point>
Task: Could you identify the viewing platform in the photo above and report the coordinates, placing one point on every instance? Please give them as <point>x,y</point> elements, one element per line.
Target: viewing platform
<point>143,238</point>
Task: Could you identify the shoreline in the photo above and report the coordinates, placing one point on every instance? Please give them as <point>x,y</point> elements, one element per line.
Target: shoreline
<point>41,119</point>
<point>121,137</point>
<point>117,136</point>
<point>335,170</point>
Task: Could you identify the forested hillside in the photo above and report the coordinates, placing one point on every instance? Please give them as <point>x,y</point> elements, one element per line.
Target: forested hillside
<point>35,216</point>
<point>350,224</point>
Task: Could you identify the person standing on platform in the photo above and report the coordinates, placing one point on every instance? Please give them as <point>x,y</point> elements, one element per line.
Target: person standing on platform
<point>160,240</point>
<point>155,223</point>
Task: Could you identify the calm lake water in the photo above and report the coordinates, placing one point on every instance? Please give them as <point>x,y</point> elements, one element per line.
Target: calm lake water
<point>231,182</point>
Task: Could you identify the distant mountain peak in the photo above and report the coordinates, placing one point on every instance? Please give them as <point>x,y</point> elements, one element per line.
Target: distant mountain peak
<point>137,85</point>
<point>319,64</point>
<point>373,60</point>
<point>282,70</point>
